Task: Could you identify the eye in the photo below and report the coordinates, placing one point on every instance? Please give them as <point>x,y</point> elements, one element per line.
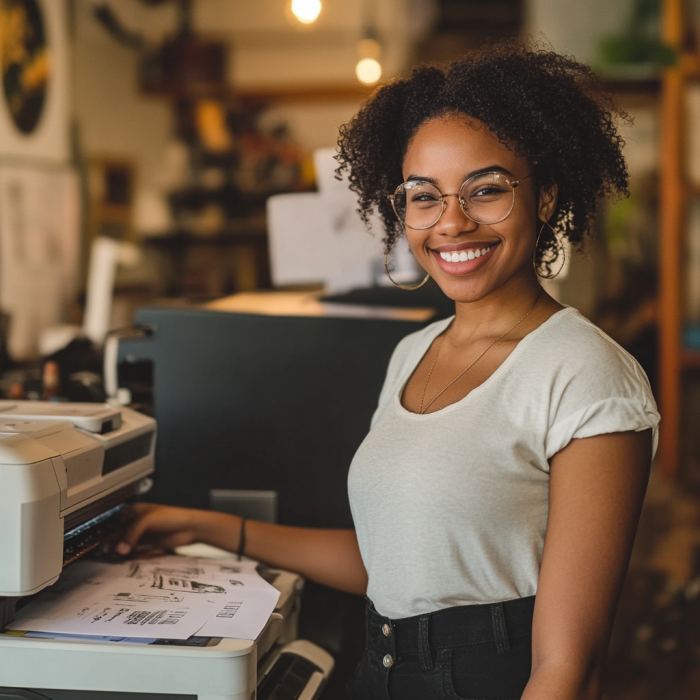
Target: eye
<point>424,197</point>
<point>486,190</point>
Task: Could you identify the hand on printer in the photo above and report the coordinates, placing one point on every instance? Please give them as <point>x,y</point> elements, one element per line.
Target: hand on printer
<point>162,527</point>
<point>328,556</point>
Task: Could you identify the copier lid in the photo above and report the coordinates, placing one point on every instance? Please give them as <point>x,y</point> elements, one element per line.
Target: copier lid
<point>95,418</point>
<point>33,428</point>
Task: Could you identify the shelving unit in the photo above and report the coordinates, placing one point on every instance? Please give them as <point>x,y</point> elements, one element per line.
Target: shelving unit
<point>235,258</point>
<point>675,193</point>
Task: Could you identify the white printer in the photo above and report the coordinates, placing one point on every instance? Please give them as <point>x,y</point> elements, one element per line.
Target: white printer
<point>66,473</point>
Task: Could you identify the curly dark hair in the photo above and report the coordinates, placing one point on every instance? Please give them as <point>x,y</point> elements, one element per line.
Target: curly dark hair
<point>548,108</point>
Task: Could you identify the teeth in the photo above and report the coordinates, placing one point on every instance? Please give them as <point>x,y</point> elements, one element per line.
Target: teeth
<point>464,255</point>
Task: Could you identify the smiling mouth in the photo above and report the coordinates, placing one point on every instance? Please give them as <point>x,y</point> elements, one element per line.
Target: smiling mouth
<point>464,259</point>
<point>467,254</point>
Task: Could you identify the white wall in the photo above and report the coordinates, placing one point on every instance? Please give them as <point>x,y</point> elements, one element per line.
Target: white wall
<point>576,26</point>
<point>269,49</point>
<point>113,117</point>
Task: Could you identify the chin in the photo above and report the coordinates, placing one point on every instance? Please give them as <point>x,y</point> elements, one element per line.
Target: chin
<point>464,291</point>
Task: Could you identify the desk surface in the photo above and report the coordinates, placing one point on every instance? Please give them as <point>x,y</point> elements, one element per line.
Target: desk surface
<point>309,304</point>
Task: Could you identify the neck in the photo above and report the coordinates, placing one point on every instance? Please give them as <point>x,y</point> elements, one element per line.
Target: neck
<point>498,310</point>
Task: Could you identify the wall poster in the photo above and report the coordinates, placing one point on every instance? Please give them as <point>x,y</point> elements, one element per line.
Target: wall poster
<point>34,80</point>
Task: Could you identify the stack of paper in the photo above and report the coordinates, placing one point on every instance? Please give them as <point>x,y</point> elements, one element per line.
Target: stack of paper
<point>168,597</point>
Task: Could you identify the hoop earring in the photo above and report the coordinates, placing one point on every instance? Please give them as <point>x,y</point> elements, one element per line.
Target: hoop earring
<point>560,246</point>
<point>402,286</point>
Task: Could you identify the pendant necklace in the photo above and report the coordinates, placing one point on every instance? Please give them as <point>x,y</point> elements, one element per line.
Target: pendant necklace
<point>422,410</point>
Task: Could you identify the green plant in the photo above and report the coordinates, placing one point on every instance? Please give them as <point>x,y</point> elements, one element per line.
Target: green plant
<point>639,43</point>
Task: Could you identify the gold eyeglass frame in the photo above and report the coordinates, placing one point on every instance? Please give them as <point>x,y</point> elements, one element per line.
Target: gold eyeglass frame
<point>513,184</point>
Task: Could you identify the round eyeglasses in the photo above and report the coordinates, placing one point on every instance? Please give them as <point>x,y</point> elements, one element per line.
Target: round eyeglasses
<point>486,198</point>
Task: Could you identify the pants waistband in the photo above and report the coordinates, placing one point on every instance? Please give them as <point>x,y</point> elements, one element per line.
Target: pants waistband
<point>451,627</point>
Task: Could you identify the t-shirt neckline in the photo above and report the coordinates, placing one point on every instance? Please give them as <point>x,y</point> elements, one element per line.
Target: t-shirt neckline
<point>518,350</point>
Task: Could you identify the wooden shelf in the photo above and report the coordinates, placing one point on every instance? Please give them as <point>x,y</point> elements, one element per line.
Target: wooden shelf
<point>225,237</point>
<point>689,64</point>
<point>272,94</point>
<point>633,86</point>
<point>674,192</point>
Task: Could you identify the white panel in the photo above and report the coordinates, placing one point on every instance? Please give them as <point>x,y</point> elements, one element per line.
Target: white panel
<point>295,257</point>
<point>39,250</point>
<point>29,522</point>
<point>321,238</point>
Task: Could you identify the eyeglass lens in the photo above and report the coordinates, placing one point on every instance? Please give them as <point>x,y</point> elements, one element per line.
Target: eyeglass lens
<point>486,199</point>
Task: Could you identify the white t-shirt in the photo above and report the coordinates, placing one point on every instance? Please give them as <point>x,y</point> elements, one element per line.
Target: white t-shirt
<point>451,507</point>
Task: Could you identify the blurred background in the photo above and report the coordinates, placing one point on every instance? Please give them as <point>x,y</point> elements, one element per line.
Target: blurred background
<point>172,153</point>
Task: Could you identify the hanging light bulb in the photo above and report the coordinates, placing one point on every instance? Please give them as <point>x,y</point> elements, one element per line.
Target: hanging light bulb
<point>368,71</point>
<point>306,11</point>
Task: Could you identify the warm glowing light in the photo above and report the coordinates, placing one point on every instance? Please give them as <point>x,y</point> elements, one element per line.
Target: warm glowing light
<point>368,71</point>
<point>306,11</point>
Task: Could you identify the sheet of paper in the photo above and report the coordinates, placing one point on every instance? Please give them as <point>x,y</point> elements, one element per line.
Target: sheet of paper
<point>92,639</point>
<point>115,609</point>
<point>244,600</point>
<point>242,616</point>
<point>166,597</point>
<point>177,573</point>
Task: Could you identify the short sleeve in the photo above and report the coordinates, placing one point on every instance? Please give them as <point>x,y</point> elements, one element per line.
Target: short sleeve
<point>616,414</point>
<point>605,391</point>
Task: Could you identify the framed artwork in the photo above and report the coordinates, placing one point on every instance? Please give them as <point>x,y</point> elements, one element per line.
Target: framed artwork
<point>34,80</point>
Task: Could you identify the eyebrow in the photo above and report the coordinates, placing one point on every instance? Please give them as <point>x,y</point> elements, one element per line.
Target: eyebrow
<point>473,173</point>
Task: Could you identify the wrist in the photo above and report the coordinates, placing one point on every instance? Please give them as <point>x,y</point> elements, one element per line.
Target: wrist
<point>203,524</point>
<point>217,529</point>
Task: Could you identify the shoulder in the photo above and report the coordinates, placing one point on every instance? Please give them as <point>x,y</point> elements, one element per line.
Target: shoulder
<point>594,385</point>
<point>569,342</point>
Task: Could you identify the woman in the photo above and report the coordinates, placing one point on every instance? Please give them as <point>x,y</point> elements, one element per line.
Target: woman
<point>497,494</point>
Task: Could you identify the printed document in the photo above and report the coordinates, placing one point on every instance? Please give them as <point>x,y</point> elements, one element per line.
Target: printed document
<point>167,597</point>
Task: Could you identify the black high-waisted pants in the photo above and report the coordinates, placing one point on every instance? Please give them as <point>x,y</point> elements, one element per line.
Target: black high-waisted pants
<point>461,653</point>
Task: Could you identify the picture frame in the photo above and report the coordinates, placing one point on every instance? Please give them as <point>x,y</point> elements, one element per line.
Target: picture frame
<point>34,81</point>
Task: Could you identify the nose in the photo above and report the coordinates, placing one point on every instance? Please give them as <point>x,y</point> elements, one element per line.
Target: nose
<point>454,221</point>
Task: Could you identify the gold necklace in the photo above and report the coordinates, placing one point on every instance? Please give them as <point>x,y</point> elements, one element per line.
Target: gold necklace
<point>422,410</point>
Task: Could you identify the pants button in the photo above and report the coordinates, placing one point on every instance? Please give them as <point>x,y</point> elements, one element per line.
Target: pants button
<point>386,630</point>
<point>388,661</point>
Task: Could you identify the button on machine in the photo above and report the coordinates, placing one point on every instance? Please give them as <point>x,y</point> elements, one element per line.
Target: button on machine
<point>388,661</point>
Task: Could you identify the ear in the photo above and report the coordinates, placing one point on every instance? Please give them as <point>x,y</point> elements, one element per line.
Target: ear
<point>547,202</point>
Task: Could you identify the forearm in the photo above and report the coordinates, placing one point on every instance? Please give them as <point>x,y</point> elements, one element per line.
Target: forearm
<point>329,557</point>
<point>562,682</point>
